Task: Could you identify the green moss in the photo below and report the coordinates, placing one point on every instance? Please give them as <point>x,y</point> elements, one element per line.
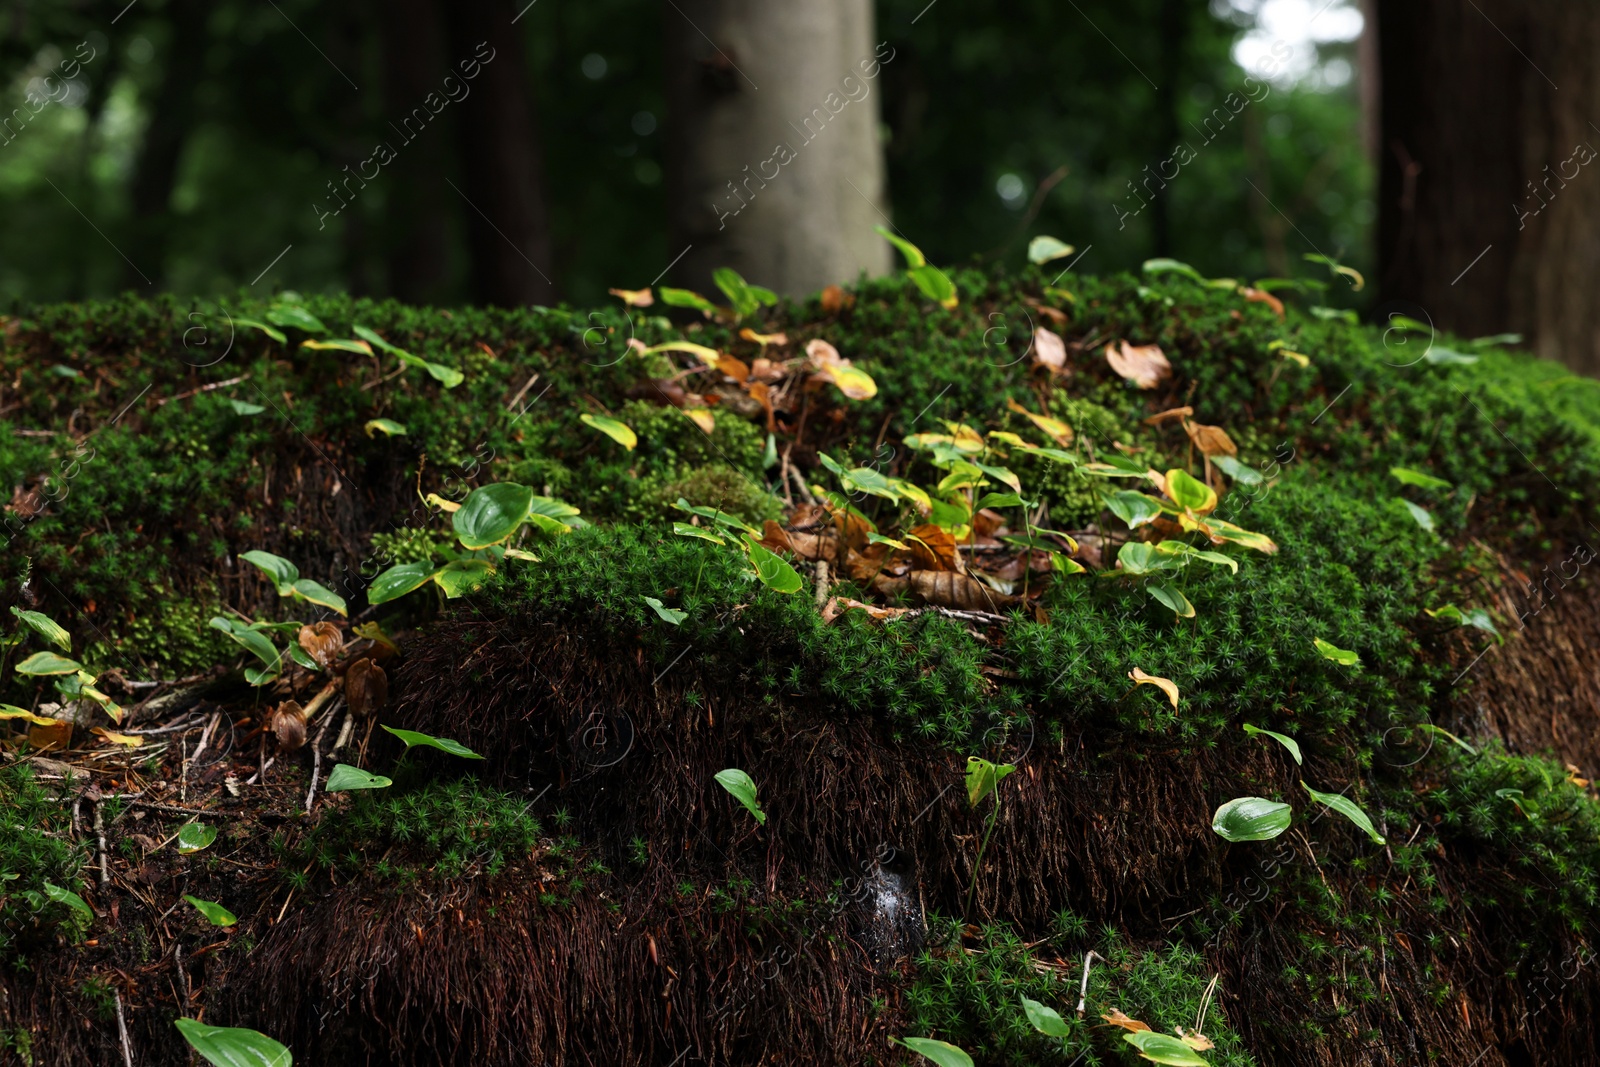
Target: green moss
<point>34,850</point>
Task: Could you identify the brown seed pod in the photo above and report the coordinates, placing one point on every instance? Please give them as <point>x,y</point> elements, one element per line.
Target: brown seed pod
<point>288,722</point>
<point>366,688</point>
<point>322,642</point>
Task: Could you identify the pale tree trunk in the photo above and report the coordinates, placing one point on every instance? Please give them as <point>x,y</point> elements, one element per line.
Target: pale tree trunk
<point>1487,151</point>
<point>775,165</point>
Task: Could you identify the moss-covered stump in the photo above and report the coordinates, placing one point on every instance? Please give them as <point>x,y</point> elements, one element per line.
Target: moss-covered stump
<point>1393,575</point>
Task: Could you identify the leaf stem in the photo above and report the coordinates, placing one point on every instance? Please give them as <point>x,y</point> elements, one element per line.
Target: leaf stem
<point>978,863</point>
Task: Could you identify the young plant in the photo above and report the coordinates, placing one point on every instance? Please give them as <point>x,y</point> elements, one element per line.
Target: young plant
<point>485,524</point>
<point>772,570</point>
<point>231,1046</point>
<point>72,681</point>
<point>743,789</point>
<point>982,779</point>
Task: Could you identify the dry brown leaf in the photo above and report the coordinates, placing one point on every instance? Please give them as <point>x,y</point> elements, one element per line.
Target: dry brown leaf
<point>321,641</point>
<point>1211,440</point>
<point>43,738</point>
<point>637,298</point>
<point>835,300</point>
<point>1049,350</point>
<point>1144,365</point>
<point>838,605</point>
<point>933,547</point>
<point>1060,431</point>
<point>987,523</point>
<point>288,722</point>
<point>1266,298</point>
<point>947,589</point>
<point>775,538</point>
<point>1163,684</point>
<point>1197,1041</point>
<point>1117,1018</point>
<point>1171,413</point>
<point>734,367</point>
<point>366,688</point>
<point>763,369</point>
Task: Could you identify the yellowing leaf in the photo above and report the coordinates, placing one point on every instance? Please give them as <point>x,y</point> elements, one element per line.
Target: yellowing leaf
<point>702,418</point>
<point>388,427</point>
<point>1117,1018</point>
<point>853,383</point>
<point>358,347</point>
<point>1054,427</point>
<point>618,431</point>
<point>708,356</point>
<point>764,339</point>
<point>1298,357</point>
<point>434,500</point>
<point>11,711</point>
<point>1198,1042</point>
<point>1164,684</point>
<point>637,298</point>
<point>118,739</point>
<point>1144,365</point>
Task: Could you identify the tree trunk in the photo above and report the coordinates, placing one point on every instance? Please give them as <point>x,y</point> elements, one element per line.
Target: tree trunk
<point>501,165</point>
<point>417,242</point>
<point>775,166</point>
<point>1489,207</point>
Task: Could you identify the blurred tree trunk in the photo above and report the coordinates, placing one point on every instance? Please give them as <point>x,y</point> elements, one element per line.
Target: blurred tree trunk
<point>774,161</point>
<point>417,243</point>
<point>501,169</point>
<point>1489,189</point>
<point>155,172</point>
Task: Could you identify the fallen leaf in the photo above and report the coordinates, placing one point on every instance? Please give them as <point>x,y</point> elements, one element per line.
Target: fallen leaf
<point>1197,1041</point>
<point>321,641</point>
<point>702,418</point>
<point>366,688</point>
<point>637,298</point>
<point>1268,299</point>
<point>775,538</point>
<point>1060,431</point>
<point>761,393</point>
<point>1143,365</point>
<point>763,369</point>
<point>830,366</point>
<point>1211,440</point>
<point>288,723</point>
<point>1049,350</point>
<point>835,300</point>
<point>43,738</point>
<point>734,367</point>
<point>933,547</point>
<point>764,339</point>
<point>947,589</point>
<point>118,739</point>
<point>1164,684</point>
<point>1171,413</point>
<point>1117,1018</point>
<point>838,605</point>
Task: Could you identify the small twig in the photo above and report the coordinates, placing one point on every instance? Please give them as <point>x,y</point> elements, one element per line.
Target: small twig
<point>122,1029</point>
<point>321,698</point>
<point>100,834</point>
<point>822,584</point>
<point>1083,987</point>
<point>316,759</point>
<point>800,484</point>
<point>202,389</point>
<point>266,766</point>
<point>1205,1004</point>
<point>522,392</point>
<point>344,733</point>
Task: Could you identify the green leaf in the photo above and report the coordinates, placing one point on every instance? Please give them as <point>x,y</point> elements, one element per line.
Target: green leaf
<point>1476,617</point>
<point>743,789</point>
<point>1422,516</point>
<point>296,316</point>
<point>443,744</point>
<point>253,640</point>
<point>940,1052</point>
<point>1184,550</point>
<point>618,431</point>
<point>1408,476</point>
<point>1047,1021</point>
<point>449,377</point>
<point>1137,557</point>
<point>684,529</point>
<point>462,576</point>
<point>82,913</point>
<point>320,595</point>
<point>360,348</point>
<point>1237,471</point>
<point>1338,655</point>
<point>283,573</point>
<point>935,285</point>
<point>774,572</point>
<point>1441,354</point>
<point>983,777</point>
<point>1283,739</point>
<point>744,297</point>
<point>214,912</point>
<point>668,615</point>
<point>300,656</point>
<point>270,331</point>
<point>1447,735</point>
<point>913,254</point>
<point>1164,1049</point>
<point>684,298</point>
<point>195,837</point>
<point>1346,807</point>
<point>399,580</point>
<point>1133,508</point>
<point>231,1046</point>
<point>1187,491</point>
<point>47,663</point>
<point>491,513</point>
<point>550,515</point>
<point>387,427</point>
<point>241,407</point>
<point>1172,597</point>
<point>45,627</point>
<point>346,777</point>
<point>1250,819</point>
<point>721,518</point>
<point>1172,266</point>
<point>1043,249</point>
<point>999,500</point>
